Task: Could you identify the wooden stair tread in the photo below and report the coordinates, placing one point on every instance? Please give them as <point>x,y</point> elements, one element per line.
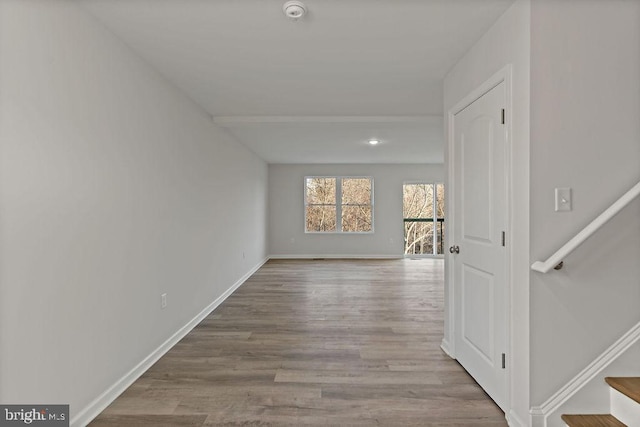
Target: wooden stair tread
<point>600,420</point>
<point>629,386</point>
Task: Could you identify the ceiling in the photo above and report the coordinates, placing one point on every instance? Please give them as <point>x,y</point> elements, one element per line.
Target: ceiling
<point>314,90</point>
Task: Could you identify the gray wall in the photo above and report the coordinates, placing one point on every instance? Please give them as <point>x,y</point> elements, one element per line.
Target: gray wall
<point>114,188</point>
<point>287,237</point>
<point>585,134</point>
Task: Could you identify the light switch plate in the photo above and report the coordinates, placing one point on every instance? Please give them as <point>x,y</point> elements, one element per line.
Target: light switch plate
<point>563,199</point>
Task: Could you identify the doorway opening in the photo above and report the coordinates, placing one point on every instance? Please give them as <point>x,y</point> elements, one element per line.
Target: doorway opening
<point>423,217</point>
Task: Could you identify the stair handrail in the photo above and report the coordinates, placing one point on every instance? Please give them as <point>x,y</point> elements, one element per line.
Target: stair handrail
<point>555,260</point>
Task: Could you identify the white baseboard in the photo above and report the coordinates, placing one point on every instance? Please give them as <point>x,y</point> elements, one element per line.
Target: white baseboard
<point>446,347</point>
<point>514,421</point>
<point>333,256</point>
<point>540,414</point>
<point>538,418</point>
<point>86,415</point>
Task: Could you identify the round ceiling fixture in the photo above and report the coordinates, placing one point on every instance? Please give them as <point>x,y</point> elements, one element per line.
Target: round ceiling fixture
<point>374,141</point>
<point>294,9</point>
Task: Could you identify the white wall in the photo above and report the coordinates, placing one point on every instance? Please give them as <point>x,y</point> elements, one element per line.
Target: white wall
<point>114,188</point>
<point>287,237</point>
<point>585,134</point>
<point>507,42</point>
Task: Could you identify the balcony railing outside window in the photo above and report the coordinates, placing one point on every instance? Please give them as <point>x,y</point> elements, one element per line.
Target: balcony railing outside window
<point>423,216</point>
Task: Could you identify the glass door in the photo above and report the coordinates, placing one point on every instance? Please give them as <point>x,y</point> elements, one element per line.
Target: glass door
<point>423,212</point>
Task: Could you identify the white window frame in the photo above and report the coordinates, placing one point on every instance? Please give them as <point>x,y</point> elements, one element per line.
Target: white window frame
<point>338,204</point>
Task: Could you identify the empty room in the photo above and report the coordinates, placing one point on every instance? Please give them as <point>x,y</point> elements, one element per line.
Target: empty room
<point>320,212</point>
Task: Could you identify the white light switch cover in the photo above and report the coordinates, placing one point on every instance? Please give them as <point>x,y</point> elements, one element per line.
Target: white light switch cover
<point>563,199</point>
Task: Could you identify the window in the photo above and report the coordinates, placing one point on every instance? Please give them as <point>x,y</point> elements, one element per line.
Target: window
<point>320,201</point>
<point>338,204</point>
<point>423,211</point>
<point>356,205</point>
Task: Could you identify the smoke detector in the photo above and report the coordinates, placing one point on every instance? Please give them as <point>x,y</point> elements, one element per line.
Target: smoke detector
<point>294,9</point>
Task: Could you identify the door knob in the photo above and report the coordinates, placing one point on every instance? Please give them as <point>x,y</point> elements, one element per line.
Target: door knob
<point>454,249</point>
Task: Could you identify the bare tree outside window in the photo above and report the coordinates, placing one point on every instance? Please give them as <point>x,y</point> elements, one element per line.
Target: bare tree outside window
<point>320,204</point>
<point>440,217</point>
<point>339,204</point>
<point>356,205</point>
<point>424,226</point>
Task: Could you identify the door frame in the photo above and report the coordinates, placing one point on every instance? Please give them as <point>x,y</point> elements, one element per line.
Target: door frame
<point>448,345</point>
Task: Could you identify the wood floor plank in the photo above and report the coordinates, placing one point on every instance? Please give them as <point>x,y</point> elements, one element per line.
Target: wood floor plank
<point>596,420</point>
<point>355,377</point>
<point>457,393</point>
<point>315,342</point>
<point>142,405</point>
<point>150,421</point>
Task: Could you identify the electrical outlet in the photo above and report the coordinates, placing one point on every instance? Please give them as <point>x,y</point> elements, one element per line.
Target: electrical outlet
<point>163,300</point>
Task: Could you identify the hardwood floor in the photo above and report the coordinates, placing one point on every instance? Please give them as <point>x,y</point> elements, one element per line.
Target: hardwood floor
<point>315,342</point>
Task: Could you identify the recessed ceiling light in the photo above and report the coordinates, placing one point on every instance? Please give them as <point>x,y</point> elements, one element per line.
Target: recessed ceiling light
<point>374,142</point>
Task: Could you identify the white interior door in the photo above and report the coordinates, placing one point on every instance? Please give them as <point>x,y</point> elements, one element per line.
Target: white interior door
<point>480,218</point>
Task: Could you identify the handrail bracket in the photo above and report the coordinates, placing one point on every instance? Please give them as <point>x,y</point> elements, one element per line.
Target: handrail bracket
<point>603,218</point>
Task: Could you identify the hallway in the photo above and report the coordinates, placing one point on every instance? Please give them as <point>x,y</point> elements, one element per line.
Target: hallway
<point>315,342</point>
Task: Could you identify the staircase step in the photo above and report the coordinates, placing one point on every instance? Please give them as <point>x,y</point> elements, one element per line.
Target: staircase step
<point>600,420</point>
<point>624,399</point>
<point>629,386</point>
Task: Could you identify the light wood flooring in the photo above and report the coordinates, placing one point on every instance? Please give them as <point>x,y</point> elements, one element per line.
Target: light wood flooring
<point>315,342</point>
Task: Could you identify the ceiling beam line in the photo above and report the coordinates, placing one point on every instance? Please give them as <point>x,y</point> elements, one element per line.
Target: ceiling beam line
<point>231,120</point>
